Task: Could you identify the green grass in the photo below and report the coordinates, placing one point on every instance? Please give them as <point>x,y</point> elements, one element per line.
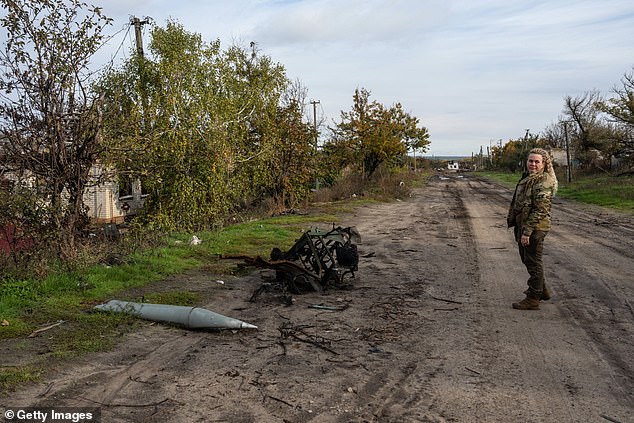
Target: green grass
<point>14,376</point>
<point>615,192</point>
<point>505,178</point>
<point>603,190</point>
<point>339,207</point>
<point>90,332</point>
<point>62,294</point>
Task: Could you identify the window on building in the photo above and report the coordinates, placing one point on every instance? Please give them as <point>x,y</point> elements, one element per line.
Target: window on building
<point>144,189</point>
<point>125,187</point>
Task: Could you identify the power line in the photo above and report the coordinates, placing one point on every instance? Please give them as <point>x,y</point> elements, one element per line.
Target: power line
<point>112,58</point>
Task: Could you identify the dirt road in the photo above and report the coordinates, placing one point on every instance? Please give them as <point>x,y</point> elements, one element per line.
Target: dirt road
<point>428,334</point>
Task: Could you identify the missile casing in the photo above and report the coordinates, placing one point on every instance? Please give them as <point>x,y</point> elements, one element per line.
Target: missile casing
<point>189,317</point>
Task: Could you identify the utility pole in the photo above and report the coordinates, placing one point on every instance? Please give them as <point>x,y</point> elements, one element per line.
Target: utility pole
<point>525,149</point>
<point>141,59</point>
<point>481,159</point>
<point>490,153</point>
<point>137,32</point>
<point>489,159</point>
<point>315,103</point>
<point>568,170</point>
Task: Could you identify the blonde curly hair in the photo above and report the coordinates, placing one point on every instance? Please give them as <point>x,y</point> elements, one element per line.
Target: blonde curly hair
<point>548,165</point>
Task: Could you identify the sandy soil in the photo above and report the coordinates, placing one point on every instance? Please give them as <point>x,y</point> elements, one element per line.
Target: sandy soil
<point>428,334</point>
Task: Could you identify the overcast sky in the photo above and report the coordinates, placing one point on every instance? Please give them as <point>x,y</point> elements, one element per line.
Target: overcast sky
<point>472,71</point>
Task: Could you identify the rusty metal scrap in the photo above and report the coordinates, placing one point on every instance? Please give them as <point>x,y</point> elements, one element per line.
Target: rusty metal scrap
<point>318,259</point>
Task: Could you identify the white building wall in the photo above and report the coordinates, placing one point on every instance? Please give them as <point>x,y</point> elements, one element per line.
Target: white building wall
<point>104,203</point>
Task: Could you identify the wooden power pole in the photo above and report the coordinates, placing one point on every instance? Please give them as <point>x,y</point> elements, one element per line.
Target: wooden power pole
<point>137,32</point>
<point>141,61</point>
<point>315,103</point>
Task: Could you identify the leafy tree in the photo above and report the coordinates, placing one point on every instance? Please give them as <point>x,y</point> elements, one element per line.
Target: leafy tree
<point>49,120</point>
<point>200,125</point>
<point>512,155</point>
<point>371,134</point>
<point>508,156</point>
<point>183,159</point>
<point>290,151</point>
<point>257,143</point>
<point>163,126</point>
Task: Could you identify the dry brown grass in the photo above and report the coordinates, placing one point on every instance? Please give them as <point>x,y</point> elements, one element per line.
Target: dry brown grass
<point>383,186</point>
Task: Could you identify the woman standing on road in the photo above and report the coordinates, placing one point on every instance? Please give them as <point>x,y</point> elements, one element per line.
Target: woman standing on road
<point>529,215</point>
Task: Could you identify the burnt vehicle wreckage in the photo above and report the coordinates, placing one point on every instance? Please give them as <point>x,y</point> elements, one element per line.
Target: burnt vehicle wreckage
<point>319,259</point>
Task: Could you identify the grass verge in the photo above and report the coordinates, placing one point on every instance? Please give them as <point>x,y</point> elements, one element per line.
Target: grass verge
<point>616,192</point>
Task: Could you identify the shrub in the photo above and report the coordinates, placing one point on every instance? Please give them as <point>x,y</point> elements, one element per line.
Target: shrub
<point>26,240</point>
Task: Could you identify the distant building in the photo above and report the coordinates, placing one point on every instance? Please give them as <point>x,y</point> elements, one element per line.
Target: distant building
<point>559,156</point>
<point>112,201</point>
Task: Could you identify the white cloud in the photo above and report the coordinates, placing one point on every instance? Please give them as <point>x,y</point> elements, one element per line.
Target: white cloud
<point>353,22</point>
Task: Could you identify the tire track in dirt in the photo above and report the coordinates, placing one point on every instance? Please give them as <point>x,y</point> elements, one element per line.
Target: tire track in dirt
<point>560,361</point>
<point>443,256</point>
<point>515,365</point>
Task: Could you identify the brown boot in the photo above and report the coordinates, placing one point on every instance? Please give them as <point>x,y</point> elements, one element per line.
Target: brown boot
<point>546,294</point>
<point>528,303</point>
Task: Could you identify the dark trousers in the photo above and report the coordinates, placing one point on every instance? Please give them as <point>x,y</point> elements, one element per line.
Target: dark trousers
<point>531,256</point>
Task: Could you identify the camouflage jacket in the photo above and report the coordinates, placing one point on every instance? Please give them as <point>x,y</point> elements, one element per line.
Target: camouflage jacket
<point>530,207</point>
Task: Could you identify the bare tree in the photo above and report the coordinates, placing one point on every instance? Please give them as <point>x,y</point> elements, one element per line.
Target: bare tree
<point>620,109</point>
<point>49,120</point>
<point>594,137</point>
<point>554,136</point>
<point>582,111</point>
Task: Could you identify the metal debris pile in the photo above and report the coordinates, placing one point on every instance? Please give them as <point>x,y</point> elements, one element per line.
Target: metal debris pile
<point>319,259</point>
